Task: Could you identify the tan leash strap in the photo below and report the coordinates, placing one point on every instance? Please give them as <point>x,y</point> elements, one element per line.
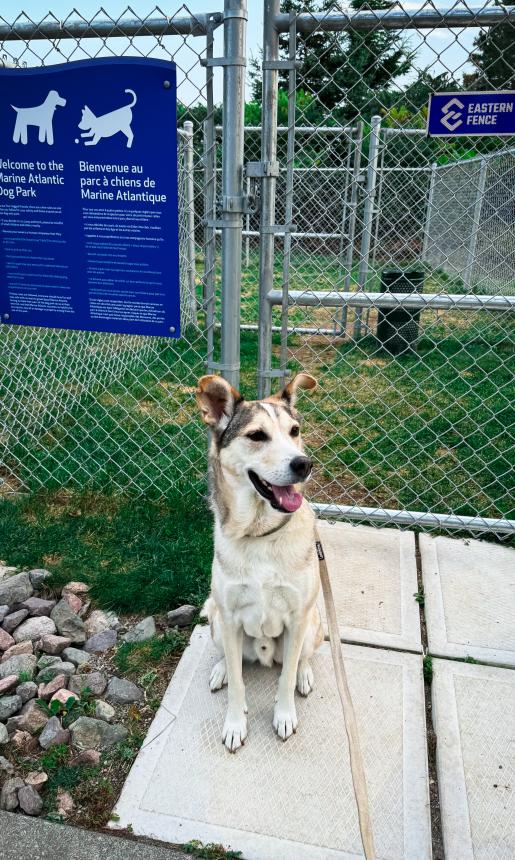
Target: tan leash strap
<point>356,759</point>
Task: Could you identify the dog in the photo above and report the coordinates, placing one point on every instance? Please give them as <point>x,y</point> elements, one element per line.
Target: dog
<point>265,579</point>
<point>41,116</point>
<point>97,127</point>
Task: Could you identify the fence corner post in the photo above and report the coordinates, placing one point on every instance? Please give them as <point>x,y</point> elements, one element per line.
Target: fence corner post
<point>190,216</point>
<point>368,214</point>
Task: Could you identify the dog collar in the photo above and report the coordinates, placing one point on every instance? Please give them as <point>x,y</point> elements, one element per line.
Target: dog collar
<point>272,531</point>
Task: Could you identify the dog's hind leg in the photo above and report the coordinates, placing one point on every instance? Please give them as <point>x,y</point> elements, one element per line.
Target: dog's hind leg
<point>129,135</point>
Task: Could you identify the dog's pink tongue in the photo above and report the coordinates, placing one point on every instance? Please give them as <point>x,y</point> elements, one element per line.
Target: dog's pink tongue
<point>287,497</point>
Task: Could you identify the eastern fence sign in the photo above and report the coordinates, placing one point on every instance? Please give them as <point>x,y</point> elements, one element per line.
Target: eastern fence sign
<point>88,197</point>
<point>471,114</point>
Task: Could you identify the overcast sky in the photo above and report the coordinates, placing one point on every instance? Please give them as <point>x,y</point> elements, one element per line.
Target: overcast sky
<point>439,49</point>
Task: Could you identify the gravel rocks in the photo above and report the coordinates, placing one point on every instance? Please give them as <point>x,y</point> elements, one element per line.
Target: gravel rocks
<point>5,766</point>
<point>141,632</point>
<point>99,621</point>
<point>34,628</point>
<point>68,622</point>
<point>75,588</point>
<point>36,778</point>
<point>101,642</point>
<point>15,589</point>
<point>91,757</point>
<point>77,657</point>
<point>9,705</point>
<point>53,733</point>
<point>182,616</point>
<point>88,733</point>
<point>46,691</point>
<point>6,640</point>
<point>19,648</point>
<point>22,663</point>
<point>37,606</point>
<point>39,577</point>
<point>123,692</point>
<point>8,683</point>
<point>4,737</point>
<point>4,610</point>
<point>29,800</point>
<point>63,696</point>
<point>94,681</point>
<point>53,644</point>
<point>27,691</point>
<point>104,711</point>
<point>32,721</point>
<point>9,794</point>
<point>65,804</point>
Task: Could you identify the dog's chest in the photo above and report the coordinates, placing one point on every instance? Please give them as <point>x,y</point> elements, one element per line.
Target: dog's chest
<point>262,607</point>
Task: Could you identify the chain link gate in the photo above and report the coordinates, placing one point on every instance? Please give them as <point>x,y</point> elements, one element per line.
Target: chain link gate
<point>425,437</point>
<point>116,412</point>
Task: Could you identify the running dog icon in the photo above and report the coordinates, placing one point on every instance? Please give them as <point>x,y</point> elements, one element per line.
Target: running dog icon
<point>97,127</point>
<point>42,116</point>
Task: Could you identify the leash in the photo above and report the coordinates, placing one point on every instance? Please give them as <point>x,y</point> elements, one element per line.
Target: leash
<point>356,758</point>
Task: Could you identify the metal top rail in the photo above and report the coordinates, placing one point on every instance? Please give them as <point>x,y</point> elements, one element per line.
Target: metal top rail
<point>190,25</point>
<point>397,19</point>
<point>304,129</point>
<point>417,301</point>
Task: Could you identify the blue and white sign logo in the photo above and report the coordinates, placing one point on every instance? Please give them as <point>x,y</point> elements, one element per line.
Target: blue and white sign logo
<point>88,197</point>
<point>471,114</point>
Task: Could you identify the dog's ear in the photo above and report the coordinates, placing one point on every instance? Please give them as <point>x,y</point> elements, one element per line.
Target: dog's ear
<point>217,401</point>
<point>302,380</point>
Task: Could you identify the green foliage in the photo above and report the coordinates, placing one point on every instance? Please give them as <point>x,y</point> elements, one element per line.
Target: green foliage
<point>427,668</point>
<point>23,677</point>
<point>211,851</point>
<point>419,598</point>
<point>134,657</point>
<point>54,757</point>
<point>493,58</point>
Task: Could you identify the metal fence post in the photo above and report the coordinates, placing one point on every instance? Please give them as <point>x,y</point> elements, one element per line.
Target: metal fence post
<point>368,214</point>
<point>190,217</point>
<point>209,285</point>
<point>471,253</point>
<point>235,18</point>
<point>429,212</point>
<point>268,186</point>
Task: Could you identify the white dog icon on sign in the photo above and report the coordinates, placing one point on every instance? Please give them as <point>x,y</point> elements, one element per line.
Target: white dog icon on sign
<point>40,116</point>
<point>97,127</point>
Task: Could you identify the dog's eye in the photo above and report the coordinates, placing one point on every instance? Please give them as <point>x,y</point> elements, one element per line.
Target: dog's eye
<point>295,430</point>
<point>258,436</point>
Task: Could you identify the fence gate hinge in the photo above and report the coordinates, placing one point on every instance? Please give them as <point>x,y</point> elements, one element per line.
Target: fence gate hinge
<point>261,169</point>
<point>281,65</point>
<point>275,374</point>
<point>223,61</point>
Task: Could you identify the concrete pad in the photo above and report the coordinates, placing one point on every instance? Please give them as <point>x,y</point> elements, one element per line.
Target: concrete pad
<point>469,588</point>
<point>293,800</point>
<point>474,719</point>
<point>374,578</point>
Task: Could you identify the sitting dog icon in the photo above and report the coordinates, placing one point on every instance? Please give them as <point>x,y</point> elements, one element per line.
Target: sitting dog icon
<point>97,127</point>
<point>41,116</point>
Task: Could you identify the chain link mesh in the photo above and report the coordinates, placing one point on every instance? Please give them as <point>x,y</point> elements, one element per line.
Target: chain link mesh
<point>106,411</point>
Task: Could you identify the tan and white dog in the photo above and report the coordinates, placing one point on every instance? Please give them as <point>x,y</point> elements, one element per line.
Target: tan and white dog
<point>265,579</point>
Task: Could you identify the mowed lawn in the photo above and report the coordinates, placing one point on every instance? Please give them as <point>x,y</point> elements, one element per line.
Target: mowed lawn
<point>115,484</point>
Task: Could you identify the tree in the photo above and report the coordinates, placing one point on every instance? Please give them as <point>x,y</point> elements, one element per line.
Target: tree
<point>341,70</point>
<point>494,58</point>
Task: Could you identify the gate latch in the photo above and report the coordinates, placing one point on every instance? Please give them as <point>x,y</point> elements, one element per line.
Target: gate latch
<point>261,169</point>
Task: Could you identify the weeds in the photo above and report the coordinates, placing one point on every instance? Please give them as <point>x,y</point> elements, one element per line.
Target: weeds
<point>134,657</point>
<point>427,668</point>
<point>209,851</point>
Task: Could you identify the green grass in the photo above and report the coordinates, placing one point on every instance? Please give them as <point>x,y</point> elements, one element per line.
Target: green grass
<point>132,658</point>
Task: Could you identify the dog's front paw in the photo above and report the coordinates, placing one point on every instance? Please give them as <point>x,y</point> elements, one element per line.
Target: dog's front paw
<point>218,676</point>
<point>285,721</point>
<point>234,732</point>
<point>305,678</point>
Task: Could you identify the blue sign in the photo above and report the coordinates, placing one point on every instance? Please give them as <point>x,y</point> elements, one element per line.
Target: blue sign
<point>471,114</point>
<point>88,196</point>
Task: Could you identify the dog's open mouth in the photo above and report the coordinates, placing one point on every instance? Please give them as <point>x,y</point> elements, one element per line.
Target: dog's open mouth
<point>282,498</point>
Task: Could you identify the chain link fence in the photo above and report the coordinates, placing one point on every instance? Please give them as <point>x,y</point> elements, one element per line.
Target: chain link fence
<point>108,411</point>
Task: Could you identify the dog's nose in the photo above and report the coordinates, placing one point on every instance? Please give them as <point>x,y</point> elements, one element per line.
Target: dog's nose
<point>301,467</point>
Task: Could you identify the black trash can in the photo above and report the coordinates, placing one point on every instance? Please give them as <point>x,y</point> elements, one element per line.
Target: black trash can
<point>397,329</point>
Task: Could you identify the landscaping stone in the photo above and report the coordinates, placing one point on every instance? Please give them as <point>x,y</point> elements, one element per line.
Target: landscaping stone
<point>32,720</point>
<point>34,628</point>
<point>145,629</point>
<point>65,804</point>
<point>29,800</point>
<point>12,621</point>
<point>104,711</point>
<point>74,602</point>
<point>45,691</point>
<point>8,683</point>
<point>47,660</point>
<point>182,616</point>
<point>4,610</point>
<point>53,733</point>
<point>9,705</point>
<point>99,621</point>
<point>19,648</point>
<point>51,672</point>
<point>27,691</point>
<point>5,570</point>
<point>36,778</point>
<point>91,757</point>
<point>53,644</point>
<point>38,577</point>
<point>77,656</point>
<point>24,741</point>
<point>4,737</point>
<point>75,588</point>
<point>22,663</point>
<point>94,681</point>
<point>101,642</point>
<point>64,696</point>
<point>123,692</point>
<point>6,640</point>
<point>5,765</point>
<point>37,606</point>
<point>15,589</point>
<point>9,794</point>
<point>68,622</point>
<point>85,609</point>
<point>88,733</point>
